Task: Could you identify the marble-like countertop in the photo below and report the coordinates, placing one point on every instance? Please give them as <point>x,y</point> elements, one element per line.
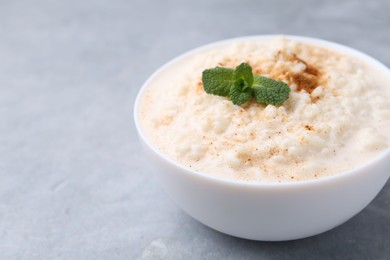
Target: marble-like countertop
<point>73,181</point>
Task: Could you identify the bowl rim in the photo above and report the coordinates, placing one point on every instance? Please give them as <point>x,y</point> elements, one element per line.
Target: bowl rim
<point>310,40</point>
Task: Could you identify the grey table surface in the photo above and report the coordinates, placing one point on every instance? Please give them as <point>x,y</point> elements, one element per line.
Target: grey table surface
<point>73,181</point>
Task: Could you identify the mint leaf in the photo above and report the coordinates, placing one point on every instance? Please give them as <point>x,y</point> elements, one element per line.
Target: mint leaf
<point>218,81</point>
<point>269,91</point>
<point>240,85</point>
<point>244,71</point>
<point>240,92</point>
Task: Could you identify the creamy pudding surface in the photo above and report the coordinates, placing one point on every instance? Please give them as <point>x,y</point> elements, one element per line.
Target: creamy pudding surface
<point>336,118</point>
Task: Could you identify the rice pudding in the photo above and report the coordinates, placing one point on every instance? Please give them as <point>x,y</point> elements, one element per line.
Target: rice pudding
<point>336,118</point>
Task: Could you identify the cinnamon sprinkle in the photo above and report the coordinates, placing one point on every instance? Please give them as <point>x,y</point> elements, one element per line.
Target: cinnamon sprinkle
<point>307,80</point>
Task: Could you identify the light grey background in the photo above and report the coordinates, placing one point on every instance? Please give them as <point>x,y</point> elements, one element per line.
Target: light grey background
<point>73,181</point>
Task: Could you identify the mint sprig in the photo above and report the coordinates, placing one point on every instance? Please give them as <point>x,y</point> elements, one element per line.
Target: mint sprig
<point>240,85</point>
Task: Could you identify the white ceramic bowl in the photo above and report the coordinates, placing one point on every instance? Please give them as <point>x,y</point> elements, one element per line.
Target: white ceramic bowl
<point>268,211</point>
